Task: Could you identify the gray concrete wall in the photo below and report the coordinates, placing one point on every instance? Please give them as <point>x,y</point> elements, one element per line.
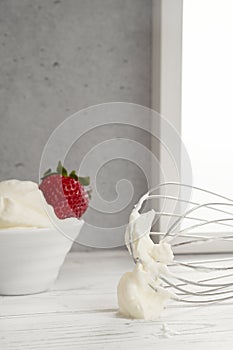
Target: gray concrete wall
<point>57,57</point>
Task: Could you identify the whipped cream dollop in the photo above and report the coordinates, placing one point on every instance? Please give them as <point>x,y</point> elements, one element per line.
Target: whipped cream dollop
<point>140,294</point>
<point>22,205</point>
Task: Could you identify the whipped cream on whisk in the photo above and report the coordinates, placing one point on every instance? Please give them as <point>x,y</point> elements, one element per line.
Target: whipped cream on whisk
<point>140,294</point>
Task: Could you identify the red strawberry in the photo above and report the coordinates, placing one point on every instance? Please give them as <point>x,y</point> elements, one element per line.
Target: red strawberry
<point>65,192</point>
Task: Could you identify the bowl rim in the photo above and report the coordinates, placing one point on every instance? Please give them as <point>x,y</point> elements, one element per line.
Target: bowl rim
<point>27,229</point>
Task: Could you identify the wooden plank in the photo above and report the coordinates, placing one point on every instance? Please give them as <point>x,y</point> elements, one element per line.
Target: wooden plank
<point>81,313</point>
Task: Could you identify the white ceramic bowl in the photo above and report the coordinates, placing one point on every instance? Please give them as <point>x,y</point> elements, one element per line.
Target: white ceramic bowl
<point>30,258</point>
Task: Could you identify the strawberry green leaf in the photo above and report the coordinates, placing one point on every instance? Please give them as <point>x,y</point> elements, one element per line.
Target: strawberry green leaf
<point>64,172</point>
<point>47,172</point>
<point>85,181</point>
<point>73,175</point>
<point>59,168</point>
<point>89,193</point>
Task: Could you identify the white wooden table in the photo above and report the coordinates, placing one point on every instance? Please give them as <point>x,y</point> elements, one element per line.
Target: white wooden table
<point>80,312</point>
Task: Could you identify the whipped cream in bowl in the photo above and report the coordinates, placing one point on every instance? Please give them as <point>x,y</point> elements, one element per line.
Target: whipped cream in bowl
<point>33,241</point>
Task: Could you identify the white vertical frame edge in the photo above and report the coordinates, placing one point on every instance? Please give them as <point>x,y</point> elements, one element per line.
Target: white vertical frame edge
<point>167,93</point>
<point>166,76</point>
<point>167,55</point>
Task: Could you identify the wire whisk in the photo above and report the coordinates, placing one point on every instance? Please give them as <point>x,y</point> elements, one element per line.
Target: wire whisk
<point>210,279</point>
